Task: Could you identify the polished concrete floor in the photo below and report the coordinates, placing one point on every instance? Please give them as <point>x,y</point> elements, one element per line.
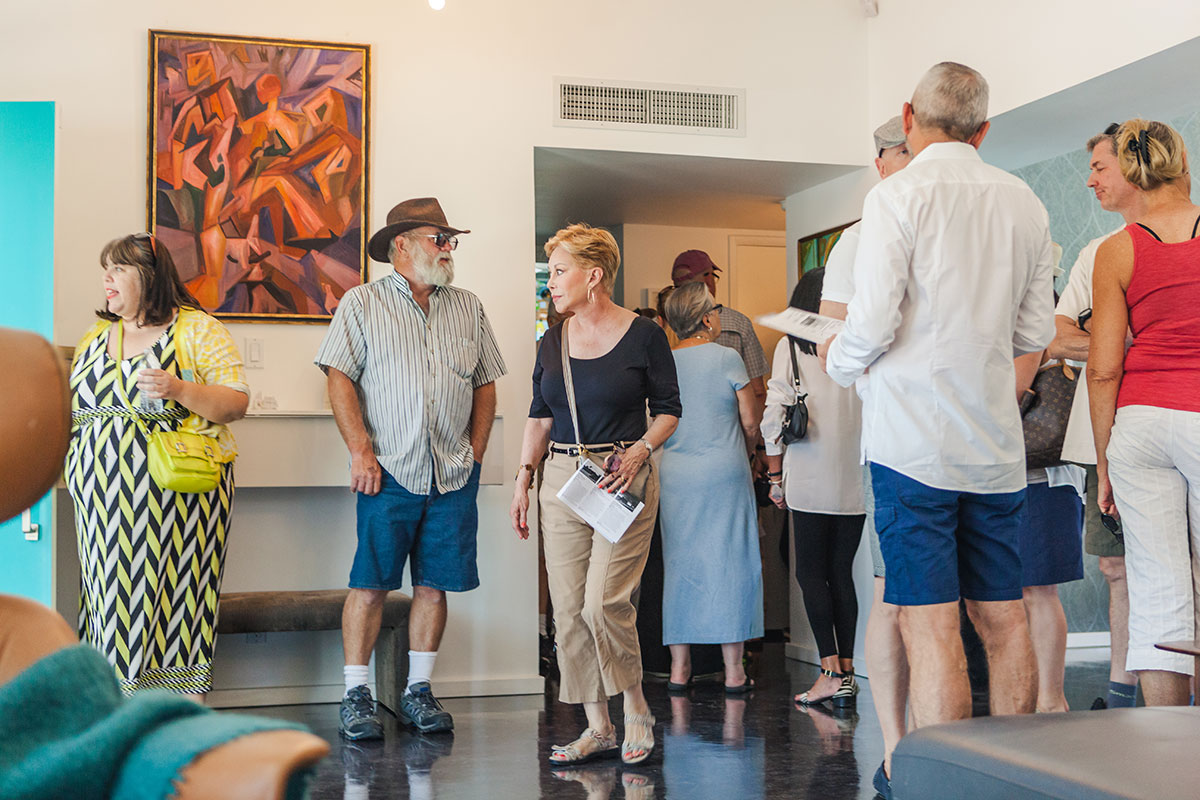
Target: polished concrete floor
<point>709,746</point>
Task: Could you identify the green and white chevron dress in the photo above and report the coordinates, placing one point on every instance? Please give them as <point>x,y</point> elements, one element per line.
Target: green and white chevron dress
<point>150,558</point>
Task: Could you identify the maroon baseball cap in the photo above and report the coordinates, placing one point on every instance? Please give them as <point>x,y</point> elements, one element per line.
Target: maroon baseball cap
<point>691,265</point>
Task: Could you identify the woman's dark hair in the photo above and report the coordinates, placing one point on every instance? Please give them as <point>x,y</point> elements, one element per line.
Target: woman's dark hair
<point>162,289</point>
<point>807,297</point>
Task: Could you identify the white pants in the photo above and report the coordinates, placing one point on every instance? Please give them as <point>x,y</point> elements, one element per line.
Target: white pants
<point>1154,466</point>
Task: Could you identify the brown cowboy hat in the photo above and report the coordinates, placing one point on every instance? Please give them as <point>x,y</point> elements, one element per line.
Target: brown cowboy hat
<point>410,214</point>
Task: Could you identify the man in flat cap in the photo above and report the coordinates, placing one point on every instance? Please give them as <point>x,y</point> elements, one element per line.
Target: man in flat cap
<point>411,364</point>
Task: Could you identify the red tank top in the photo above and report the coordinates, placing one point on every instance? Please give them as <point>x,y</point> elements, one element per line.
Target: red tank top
<point>1162,368</point>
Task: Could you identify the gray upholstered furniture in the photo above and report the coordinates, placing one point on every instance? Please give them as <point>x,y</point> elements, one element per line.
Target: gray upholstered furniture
<point>1098,755</point>
<point>271,612</point>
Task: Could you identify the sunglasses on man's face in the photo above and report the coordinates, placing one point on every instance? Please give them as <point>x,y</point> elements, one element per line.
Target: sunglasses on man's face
<point>441,240</point>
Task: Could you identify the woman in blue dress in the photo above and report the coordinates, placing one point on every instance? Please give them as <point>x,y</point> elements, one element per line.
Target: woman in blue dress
<point>712,574</point>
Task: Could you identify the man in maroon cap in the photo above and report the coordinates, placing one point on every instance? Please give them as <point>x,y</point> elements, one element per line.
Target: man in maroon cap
<point>736,329</point>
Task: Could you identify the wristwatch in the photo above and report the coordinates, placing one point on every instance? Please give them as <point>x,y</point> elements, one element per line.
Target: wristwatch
<point>1084,316</point>
<point>646,442</point>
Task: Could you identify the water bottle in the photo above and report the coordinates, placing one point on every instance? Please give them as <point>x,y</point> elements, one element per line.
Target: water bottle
<point>147,404</point>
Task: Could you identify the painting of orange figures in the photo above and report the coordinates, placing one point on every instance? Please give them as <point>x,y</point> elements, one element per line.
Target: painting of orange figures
<point>258,178</point>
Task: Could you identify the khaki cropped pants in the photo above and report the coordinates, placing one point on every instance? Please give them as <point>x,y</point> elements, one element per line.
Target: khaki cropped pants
<point>592,582</point>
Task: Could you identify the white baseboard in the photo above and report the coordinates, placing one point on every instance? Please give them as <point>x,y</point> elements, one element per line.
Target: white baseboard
<point>332,692</point>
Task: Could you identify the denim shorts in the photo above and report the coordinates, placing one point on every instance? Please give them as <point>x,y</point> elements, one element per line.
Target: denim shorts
<point>1051,540</point>
<point>437,530</point>
<point>940,545</point>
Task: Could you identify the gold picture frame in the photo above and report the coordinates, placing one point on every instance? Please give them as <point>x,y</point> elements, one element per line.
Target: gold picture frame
<point>257,170</point>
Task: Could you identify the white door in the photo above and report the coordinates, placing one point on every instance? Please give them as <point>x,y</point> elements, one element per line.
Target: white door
<point>758,281</point>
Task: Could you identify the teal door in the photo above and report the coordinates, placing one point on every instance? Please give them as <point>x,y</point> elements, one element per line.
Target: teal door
<point>27,272</point>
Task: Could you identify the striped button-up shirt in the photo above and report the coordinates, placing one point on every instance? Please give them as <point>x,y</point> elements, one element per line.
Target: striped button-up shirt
<point>416,375</point>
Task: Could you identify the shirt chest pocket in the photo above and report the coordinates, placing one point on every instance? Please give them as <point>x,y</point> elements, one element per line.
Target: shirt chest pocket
<point>461,355</point>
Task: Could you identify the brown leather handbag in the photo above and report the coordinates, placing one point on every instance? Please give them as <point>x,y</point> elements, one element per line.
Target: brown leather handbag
<point>1045,409</point>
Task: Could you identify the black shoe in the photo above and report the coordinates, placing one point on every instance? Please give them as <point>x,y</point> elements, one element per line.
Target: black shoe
<point>882,784</point>
<point>419,708</point>
<point>357,717</point>
<point>1099,704</point>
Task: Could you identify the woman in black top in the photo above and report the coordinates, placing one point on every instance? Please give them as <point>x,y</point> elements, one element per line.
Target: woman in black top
<point>620,363</point>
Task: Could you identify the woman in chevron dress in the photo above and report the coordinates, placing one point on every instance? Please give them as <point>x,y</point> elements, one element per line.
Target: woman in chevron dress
<point>150,558</point>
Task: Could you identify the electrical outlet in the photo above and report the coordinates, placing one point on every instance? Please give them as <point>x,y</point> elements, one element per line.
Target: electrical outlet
<point>254,351</point>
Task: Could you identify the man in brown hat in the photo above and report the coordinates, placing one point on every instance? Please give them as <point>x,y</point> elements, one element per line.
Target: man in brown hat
<point>411,364</point>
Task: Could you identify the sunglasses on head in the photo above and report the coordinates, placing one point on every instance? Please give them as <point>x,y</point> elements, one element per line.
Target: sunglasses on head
<point>153,242</point>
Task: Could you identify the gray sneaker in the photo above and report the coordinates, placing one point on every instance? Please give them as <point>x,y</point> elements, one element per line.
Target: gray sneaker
<point>419,708</point>
<point>358,718</point>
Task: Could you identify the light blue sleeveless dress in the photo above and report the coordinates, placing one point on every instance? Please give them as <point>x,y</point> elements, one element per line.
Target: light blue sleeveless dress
<point>712,574</point>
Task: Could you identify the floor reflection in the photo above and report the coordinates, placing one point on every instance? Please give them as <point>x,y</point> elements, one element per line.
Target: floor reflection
<point>709,746</point>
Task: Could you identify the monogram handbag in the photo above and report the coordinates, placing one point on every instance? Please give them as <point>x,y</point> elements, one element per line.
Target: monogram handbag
<point>181,461</point>
<point>795,416</point>
<point>1045,409</point>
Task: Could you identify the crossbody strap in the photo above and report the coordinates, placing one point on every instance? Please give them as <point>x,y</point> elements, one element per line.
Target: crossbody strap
<point>795,370</point>
<point>570,384</point>
<point>120,378</point>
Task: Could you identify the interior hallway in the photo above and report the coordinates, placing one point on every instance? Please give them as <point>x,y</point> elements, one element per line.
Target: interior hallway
<point>708,746</point>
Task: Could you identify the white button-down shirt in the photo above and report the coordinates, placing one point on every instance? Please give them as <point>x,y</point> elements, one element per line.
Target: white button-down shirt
<point>953,278</point>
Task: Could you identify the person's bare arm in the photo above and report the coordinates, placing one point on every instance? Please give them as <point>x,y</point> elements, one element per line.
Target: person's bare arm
<point>483,415</point>
<point>750,414</point>
<point>1026,367</point>
<point>219,404</point>
<point>1106,361</point>
<point>365,473</point>
<point>831,308</point>
<point>533,448</point>
<point>1069,341</point>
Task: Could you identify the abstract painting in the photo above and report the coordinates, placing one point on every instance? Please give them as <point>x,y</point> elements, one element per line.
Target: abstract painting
<point>813,251</point>
<point>258,171</point>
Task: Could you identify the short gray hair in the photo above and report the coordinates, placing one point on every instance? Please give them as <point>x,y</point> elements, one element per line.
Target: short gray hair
<point>392,250</point>
<point>686,306</point>
<point>952,98</point>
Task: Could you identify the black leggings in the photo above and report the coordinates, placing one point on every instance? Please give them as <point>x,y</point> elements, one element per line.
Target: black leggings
<point>825,548</point>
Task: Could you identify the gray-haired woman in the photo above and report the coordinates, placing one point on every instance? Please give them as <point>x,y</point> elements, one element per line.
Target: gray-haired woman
<point>712,575</point>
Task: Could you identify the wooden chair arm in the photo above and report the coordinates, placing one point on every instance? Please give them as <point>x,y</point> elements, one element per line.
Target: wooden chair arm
<point>252,767</point>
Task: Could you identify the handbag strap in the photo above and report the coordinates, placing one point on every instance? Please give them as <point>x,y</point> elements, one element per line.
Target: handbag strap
<point>795,370</point>
<point>120,379</point>
<point>570,384</point>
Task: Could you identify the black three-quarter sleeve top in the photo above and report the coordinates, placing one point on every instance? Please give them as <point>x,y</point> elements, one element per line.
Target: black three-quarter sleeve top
<point>611,392</point>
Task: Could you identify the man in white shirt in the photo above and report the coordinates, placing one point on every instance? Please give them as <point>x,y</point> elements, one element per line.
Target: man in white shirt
<point>886,662</point>
<point>954,277</point>
<point>1071,341</point>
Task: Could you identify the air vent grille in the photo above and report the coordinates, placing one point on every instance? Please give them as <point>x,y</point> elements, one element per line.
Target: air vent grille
<point>650,107</point>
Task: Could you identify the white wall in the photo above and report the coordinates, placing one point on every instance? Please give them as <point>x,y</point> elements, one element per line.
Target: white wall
<point>1026,49</point>
<point>460,100</point>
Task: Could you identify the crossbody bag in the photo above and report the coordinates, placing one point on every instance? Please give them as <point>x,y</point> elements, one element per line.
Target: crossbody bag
<point>795,416</point>
<point>180,461</point>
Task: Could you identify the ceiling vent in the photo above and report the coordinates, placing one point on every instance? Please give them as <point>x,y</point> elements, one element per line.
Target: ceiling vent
<point>650,107</point>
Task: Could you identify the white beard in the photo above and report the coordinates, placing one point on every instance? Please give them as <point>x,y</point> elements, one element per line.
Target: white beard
<point>435,270</point>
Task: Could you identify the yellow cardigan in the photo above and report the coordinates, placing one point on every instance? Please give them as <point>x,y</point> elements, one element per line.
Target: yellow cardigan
<point>206,355</point>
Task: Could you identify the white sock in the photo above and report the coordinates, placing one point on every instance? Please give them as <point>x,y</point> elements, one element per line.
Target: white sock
<point>355,674</point>
<point>420,666</point>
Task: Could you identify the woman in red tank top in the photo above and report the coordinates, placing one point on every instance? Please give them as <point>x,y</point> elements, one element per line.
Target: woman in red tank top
<point>1145,403</point>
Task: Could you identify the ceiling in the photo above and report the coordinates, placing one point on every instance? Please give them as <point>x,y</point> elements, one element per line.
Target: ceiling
<point>607,187</point>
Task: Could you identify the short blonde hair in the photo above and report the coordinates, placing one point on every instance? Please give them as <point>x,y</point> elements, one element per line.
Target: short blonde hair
<point>685,308</point>
<point>1150,153</point>
<point>594,247</point>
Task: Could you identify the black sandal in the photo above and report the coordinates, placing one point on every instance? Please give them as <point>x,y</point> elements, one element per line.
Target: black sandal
<point>745,687</point>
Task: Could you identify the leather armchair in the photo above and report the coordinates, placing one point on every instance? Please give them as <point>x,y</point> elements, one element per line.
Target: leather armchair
<point>35,428</point>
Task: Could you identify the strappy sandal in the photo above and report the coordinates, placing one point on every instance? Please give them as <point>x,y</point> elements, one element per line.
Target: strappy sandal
<point>847,694</point>
<point>804,700</point>
<point>590,746</point>
<point>644,745</point>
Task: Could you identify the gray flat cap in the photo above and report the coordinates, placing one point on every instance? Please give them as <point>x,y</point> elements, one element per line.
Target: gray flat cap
<point>889,134</point>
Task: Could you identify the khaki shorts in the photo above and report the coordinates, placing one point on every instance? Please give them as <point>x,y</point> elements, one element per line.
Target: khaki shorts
<point>1097,539</point>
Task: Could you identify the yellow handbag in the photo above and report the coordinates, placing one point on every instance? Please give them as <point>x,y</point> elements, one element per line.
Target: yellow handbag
<point>180,461</point>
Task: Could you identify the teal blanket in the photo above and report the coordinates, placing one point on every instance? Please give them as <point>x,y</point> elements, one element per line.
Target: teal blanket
<point>66,731</point>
